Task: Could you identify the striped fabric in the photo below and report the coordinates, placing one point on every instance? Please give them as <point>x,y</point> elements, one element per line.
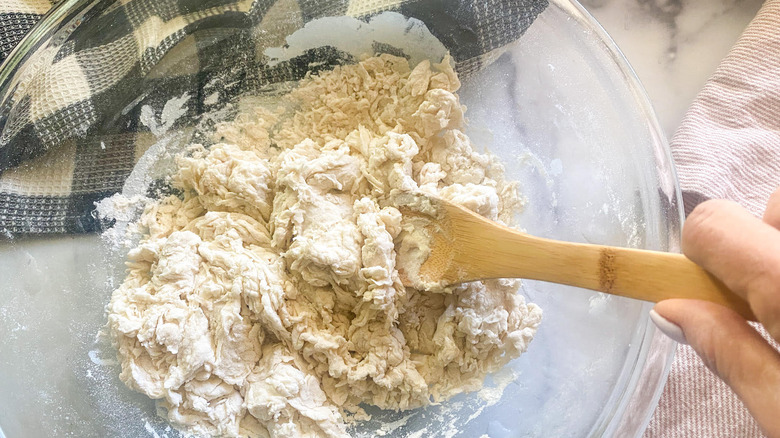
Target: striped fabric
<point>728,146</point>
<point>697,404</point>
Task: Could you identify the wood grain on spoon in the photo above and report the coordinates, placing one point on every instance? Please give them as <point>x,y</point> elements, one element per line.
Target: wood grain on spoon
<point>467,247</point>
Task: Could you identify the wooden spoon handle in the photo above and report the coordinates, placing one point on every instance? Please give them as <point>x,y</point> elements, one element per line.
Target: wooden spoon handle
<point>647,275</point>
<point>495,251</point>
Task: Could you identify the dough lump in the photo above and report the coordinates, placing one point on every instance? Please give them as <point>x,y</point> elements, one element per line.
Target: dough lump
<point>264,298</point>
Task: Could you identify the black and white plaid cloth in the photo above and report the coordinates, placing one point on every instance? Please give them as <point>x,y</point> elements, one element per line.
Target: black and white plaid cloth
<point>69,115</point>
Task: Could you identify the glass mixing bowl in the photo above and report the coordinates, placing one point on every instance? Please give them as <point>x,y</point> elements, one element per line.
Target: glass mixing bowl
<point>561,108</point>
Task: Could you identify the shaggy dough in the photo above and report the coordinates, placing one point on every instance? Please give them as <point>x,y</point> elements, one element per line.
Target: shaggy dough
<point>264,299</point>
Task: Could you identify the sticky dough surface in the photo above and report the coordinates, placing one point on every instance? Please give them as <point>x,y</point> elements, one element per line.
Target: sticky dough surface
<point>264,298</point>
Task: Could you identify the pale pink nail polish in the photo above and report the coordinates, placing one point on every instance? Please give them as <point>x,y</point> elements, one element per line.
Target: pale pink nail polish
<point>668,328</point>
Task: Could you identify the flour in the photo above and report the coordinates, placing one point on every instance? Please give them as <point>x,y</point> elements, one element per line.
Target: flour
<point>151,431</point>
<point>264,299</point>
<point>356,37</point>
<point>172,111</point>
<point>94,356</point>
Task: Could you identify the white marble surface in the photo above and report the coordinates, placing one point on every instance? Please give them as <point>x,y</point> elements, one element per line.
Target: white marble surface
<point>673,45</point>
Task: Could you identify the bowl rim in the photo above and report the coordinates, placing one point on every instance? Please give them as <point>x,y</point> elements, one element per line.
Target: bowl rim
<point>640,378</point>
<point>38,33</point>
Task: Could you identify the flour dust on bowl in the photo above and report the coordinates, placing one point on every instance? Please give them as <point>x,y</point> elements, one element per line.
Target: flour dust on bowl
<point>102,97</point>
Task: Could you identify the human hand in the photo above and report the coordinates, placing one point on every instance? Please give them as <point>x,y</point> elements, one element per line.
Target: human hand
<point>743,252</point>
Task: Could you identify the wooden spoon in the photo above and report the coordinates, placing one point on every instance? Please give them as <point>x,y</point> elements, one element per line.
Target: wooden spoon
<point>466,247</point>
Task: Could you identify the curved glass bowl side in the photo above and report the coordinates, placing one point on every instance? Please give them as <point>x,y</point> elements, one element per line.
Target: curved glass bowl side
<point>636,408</point>
<point>38,36</point>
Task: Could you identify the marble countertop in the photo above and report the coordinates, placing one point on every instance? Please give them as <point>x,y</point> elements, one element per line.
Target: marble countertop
<point>673,45</point>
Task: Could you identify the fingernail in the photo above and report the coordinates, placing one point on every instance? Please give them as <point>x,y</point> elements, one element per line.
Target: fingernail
<point>668,328</point>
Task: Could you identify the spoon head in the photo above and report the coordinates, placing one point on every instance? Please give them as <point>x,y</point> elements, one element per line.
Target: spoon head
<point>427,249</point>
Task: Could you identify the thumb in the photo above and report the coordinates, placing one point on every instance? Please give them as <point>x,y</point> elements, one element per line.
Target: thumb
<point>733,350</point>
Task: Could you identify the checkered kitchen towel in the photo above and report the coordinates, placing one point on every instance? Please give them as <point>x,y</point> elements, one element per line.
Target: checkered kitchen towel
<point>69,120</point>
